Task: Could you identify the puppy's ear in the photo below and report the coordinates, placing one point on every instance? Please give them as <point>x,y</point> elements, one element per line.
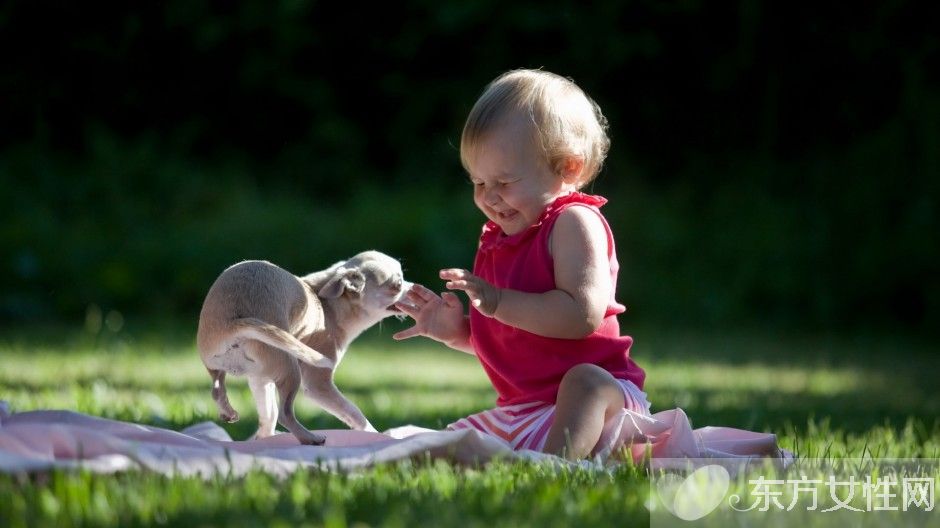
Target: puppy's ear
<point>343,280</point>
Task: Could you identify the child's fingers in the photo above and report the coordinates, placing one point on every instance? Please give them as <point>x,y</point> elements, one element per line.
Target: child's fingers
<point>451,300</point>
<point>406,333</point>
<point>455,273</point>
<point>420,292</point>
<point>466,282</point>
<point>471,289</point>
<point>457,285</point>
<point>408,309</point>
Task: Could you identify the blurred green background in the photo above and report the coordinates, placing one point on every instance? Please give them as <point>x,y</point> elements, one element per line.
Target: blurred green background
<point>770,165</point>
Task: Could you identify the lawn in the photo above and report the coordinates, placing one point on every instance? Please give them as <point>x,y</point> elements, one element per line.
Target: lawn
<point>825,396</point>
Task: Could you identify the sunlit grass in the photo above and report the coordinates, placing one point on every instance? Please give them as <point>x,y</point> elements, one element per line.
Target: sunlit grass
<point>828,398</point>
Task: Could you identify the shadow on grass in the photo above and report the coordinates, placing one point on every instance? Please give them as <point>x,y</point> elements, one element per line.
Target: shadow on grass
<point>854,412</point>
<point>774,347</point>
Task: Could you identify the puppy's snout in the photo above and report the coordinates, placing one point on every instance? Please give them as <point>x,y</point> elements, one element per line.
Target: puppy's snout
<point>399,289</point>
<point>399,286</point>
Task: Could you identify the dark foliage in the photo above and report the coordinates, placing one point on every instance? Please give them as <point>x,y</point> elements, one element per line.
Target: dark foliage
<point>769,163</point>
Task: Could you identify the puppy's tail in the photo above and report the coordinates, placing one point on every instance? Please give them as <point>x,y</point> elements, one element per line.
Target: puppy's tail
<point>269,334</point>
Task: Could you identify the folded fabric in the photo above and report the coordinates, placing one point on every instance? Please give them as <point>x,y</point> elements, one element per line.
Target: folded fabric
<point>47,439</point>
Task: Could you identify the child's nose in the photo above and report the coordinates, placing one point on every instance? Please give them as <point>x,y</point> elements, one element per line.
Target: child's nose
<point>491,197</point>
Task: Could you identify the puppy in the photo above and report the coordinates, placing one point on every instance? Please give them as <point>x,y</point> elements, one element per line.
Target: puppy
<point>285,332</point>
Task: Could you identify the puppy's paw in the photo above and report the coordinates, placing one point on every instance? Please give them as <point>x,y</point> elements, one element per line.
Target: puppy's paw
<point>230,416</point>
<point>311,439</point>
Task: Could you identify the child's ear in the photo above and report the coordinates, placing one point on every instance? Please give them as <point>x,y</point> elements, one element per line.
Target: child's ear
<point>571,169</point>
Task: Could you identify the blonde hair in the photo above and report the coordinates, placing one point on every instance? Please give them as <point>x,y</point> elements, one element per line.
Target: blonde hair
<point>566,122</point>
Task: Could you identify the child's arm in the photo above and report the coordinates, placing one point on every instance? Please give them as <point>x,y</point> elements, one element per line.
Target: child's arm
<point>439,317</point>
<point>576,307</point>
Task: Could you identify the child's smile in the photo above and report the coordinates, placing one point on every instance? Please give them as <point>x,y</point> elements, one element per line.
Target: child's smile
<point>512,182</point>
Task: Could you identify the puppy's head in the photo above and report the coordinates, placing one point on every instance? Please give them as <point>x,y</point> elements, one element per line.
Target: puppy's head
<point>371,279</point>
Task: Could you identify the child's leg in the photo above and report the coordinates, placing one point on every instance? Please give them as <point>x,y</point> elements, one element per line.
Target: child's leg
<point>587,397</point>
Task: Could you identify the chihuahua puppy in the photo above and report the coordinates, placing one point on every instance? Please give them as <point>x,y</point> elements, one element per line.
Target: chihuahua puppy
<point>285,333</point>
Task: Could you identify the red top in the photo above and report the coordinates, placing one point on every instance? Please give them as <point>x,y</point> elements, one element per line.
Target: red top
<point>525,367</point>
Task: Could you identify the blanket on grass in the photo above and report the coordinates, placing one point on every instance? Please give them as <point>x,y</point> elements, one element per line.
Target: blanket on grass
<point>37,441</point>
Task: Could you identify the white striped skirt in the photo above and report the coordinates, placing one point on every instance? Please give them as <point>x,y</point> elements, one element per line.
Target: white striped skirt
<point>526,425</point>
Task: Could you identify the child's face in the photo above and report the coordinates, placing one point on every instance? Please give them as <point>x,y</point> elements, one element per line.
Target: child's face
<point>512,184</point>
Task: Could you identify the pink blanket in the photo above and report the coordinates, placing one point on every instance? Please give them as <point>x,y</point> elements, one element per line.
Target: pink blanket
<point>42,440</point>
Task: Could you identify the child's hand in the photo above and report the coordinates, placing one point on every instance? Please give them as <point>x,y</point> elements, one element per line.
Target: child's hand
<point>483,295</point>
<point>439,317</point>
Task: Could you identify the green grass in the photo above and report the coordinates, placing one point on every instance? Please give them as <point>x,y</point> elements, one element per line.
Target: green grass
<point>825,396</point>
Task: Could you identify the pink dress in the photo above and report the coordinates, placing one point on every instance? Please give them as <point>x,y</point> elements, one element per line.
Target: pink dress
<point>524,368</point>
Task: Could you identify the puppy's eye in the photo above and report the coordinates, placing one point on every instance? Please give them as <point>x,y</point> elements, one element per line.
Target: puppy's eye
<point>395,285</point>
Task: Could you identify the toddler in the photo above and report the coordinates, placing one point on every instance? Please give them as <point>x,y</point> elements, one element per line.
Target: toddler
<point>543,319</point>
